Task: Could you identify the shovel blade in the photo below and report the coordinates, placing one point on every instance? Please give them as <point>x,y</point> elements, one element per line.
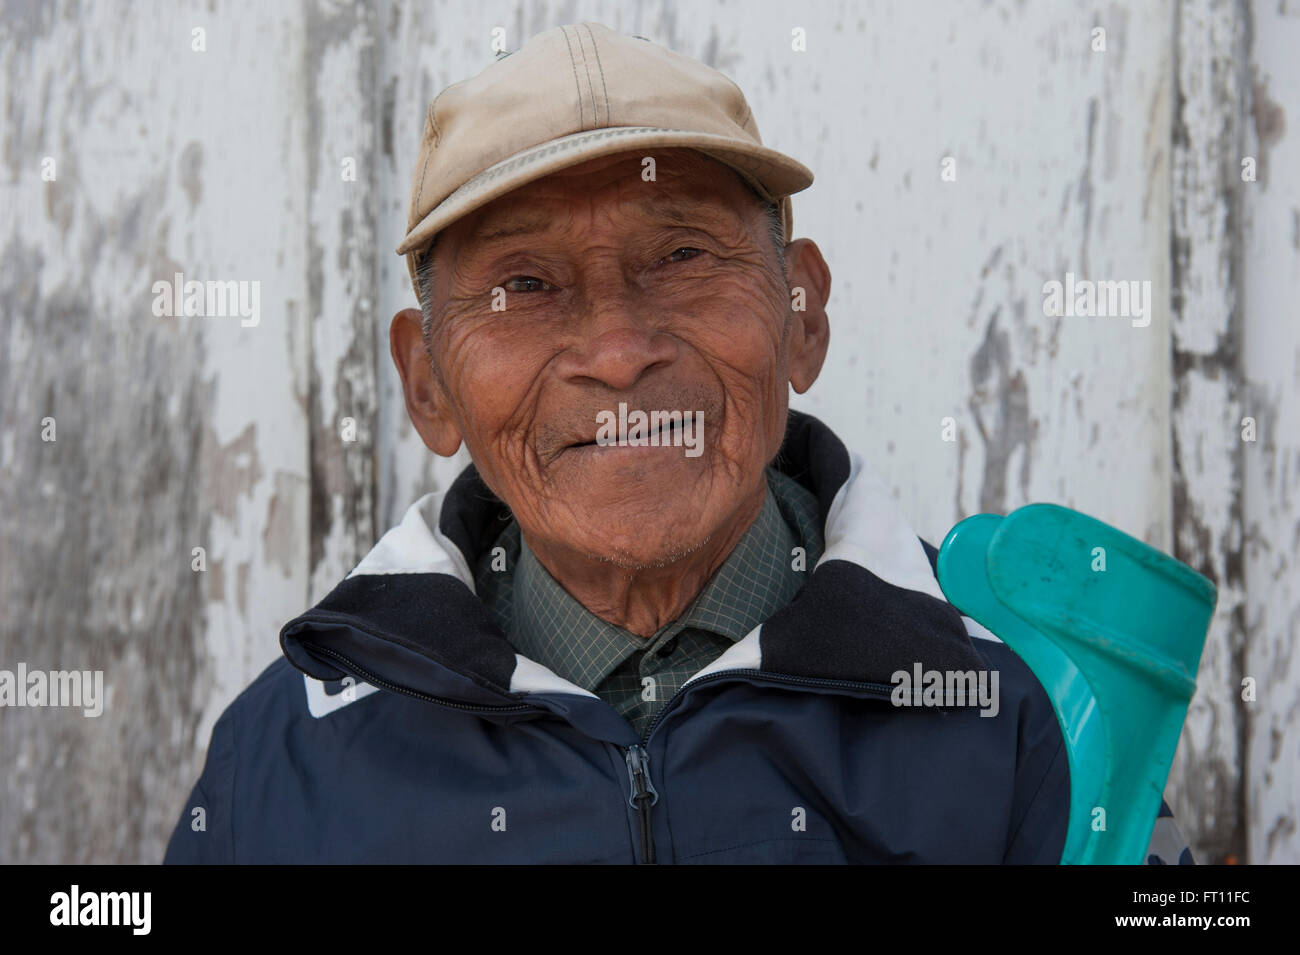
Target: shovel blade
<point>1113,629</point>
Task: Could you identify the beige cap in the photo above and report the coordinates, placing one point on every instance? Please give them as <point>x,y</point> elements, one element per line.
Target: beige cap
<point>568,95</point>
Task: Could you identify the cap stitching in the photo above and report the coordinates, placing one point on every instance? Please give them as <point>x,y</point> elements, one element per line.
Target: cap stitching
<point>433,116</point>
<point>747,113</point>
<point>744,103</point>
<point>536,153</point>
<point>437,140</point>
<point>590,87</point>
<point>576,85</point>
<point>591,90</point>
<point>604,89</point>
<point>424,167</point>
<point>433,121</point>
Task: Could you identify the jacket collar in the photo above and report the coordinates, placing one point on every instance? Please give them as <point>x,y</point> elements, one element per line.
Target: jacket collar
<point>407,617</point>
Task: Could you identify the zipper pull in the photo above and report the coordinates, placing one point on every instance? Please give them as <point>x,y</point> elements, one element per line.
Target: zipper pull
<point>642,797</point>
<point>638,774</point>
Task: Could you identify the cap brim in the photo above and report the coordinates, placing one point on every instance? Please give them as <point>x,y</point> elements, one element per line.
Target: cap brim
<point>773,174</point>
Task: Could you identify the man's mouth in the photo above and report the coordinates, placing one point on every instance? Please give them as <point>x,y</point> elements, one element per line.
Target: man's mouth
<point>630,430</point>
<point>667,434</point>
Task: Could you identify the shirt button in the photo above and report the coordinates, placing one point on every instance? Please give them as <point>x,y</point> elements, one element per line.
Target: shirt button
<point>667,648</point>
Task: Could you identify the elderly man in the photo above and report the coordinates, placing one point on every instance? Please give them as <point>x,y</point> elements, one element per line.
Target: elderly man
<point>658,618</point>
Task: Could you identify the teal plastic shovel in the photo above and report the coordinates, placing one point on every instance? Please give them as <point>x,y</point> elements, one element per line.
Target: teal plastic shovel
<point>1113,629</point>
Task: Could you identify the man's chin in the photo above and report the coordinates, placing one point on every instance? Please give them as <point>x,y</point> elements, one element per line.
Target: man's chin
<point>653,539</point>
<point>633,555</point>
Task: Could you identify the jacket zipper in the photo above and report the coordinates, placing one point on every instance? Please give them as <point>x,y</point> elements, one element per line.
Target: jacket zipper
<point>642,794</point>
<point>642,797</point>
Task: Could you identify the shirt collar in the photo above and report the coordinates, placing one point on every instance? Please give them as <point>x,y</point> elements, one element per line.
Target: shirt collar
<point>755,581</point>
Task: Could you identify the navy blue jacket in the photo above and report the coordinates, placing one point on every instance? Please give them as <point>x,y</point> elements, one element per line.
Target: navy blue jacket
<point>401,726</point>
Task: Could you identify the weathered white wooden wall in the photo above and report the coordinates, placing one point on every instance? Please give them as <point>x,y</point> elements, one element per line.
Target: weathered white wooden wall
<point>1269,348</point>
<point>283,449</point>
<point>171,433</point>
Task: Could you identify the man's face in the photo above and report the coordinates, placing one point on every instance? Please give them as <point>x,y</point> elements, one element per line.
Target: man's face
<point>663,296</point>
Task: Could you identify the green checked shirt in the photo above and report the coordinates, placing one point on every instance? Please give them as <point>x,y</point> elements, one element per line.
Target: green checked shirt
<point>638,675</point>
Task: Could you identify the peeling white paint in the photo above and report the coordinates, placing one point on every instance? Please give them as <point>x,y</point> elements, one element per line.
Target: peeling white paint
<point>227,165</point>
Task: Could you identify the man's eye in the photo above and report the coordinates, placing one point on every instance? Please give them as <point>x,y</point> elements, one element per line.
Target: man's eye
<point>671,257</point>
<point>516,284</point>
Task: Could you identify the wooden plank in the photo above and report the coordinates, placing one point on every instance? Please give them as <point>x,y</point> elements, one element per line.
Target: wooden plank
<point>343,182</point>
<point>1205,336</point>
<point>1270,350</point>
<point>427,46</point>
<point>171,432</point>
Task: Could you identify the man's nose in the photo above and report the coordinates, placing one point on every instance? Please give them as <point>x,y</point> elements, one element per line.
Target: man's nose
<point>617,339</point>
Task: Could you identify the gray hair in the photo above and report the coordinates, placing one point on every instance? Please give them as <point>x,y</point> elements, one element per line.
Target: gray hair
<point>424,282</point>
<point>424,266</point>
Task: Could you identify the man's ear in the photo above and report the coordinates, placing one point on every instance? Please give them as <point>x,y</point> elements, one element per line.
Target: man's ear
<point>426,403</point>
<point>810,330</point>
